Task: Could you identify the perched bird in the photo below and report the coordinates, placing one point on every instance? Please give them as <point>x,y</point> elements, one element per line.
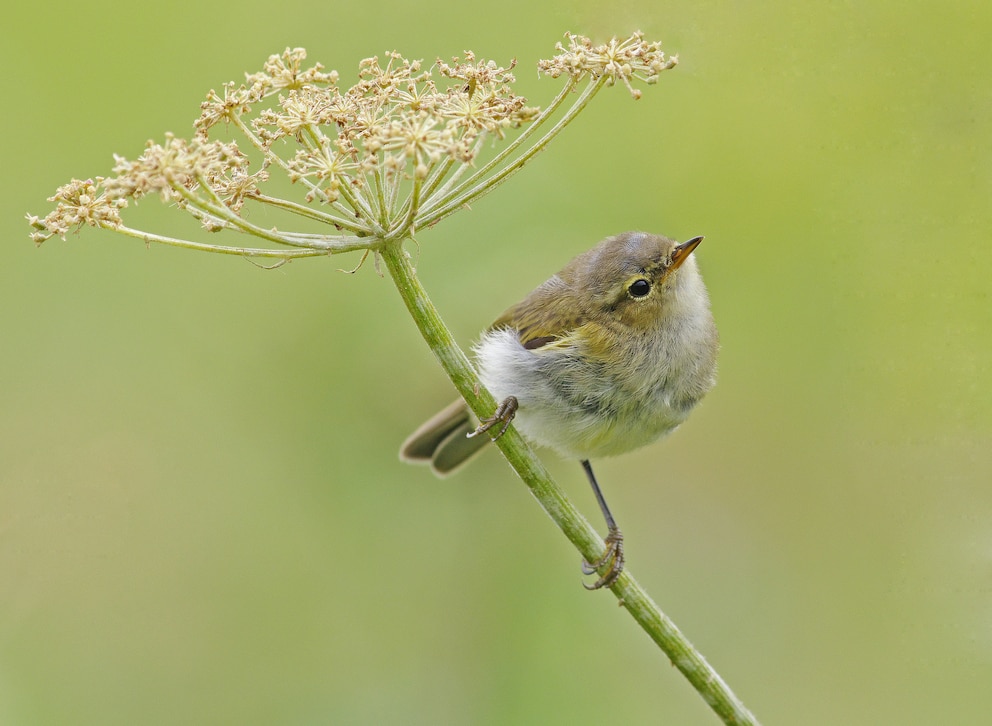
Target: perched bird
<point>608,355</point>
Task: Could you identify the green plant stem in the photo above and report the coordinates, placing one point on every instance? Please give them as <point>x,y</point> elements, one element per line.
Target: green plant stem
<point>549,495</point>
<point>461,197</point>
<point>148,238</point>
<point>308,212</point>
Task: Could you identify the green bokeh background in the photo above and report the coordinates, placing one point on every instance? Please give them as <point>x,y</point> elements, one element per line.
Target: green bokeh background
<point>202,516</point>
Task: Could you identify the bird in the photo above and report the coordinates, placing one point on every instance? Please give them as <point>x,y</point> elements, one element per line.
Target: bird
<point>608,355</point>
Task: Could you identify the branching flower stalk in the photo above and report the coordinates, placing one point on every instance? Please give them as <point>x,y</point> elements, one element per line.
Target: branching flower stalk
<point>392,154</point>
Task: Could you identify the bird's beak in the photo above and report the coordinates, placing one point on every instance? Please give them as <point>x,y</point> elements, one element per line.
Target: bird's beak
<point>681,253</point>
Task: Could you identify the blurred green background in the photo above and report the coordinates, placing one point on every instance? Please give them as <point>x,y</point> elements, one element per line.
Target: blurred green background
<point>202,515</point>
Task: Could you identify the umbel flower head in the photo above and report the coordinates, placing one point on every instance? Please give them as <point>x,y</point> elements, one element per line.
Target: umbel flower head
<point>619,60</point>
<point>396,151</point>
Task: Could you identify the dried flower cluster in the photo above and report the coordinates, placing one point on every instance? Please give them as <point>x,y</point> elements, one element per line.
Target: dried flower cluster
<point>621,60</point>
<point>394,152</point>
<point>395,121</point>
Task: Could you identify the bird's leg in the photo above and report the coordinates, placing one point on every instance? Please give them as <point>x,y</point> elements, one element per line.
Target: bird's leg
<point>504,414</point>
<point>613,555</point>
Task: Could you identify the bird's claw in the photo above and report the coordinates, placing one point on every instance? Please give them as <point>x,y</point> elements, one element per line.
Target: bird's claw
<point>612,556</point>
<point>504,414</point>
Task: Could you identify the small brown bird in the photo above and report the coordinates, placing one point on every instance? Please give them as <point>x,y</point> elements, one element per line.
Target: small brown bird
<point>609,355</point>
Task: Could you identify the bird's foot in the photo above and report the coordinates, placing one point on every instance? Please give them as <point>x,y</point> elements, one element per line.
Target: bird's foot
<point>504,414</point>
<point>612,556</point>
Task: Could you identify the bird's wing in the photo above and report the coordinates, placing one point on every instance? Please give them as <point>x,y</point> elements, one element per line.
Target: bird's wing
<point>543,318</point>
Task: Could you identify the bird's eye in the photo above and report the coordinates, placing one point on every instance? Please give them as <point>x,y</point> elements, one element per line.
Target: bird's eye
<point>639,288</point>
